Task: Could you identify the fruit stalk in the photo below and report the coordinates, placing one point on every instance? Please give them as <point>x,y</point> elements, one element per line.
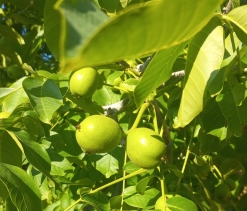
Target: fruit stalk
<point>139,116</point>
<point>140,171</point>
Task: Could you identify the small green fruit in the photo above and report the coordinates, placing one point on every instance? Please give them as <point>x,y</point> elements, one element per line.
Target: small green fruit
<point>222,191</point>
<point>84,82</point>
<point>98,134</point>
<point>14,72</point>
<point>231,184</point>
<point>145,148</point>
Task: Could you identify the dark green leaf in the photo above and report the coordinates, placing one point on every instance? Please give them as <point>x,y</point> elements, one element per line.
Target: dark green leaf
<point>11,34</point>
<point>231,166</point>
<point>97,200</point>
<point>35,153</point>
<point>23,191</point>
<point>235,115</point>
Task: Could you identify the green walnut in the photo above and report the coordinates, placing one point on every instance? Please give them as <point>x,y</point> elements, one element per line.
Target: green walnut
<point>98,134</point>
<point>84,82</point>
<point>145,148</point>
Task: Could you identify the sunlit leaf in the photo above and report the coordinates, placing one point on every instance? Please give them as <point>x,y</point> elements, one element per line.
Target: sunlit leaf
<point>142,200</point>
<point>135,32</point>
<point>158,71</point>
<point>205,55</point>
<point>238,18</point>
<point>179,203</point>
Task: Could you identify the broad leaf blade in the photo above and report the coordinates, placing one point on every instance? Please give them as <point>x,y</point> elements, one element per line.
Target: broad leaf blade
<point>45,97</point>
<point>205,55</point>
<point>35,153</point>
<point>138,31</point>
<point>158,71</point>
<point>63,29</point>
<point>179,203</point>
<point>22,189</point>
<point>238,18</point>
<point>235,115</point>
<point>97,200</point>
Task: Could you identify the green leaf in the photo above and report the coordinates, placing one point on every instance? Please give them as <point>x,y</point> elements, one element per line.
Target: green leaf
<point>137,31</point>
<point>226,68</point>
<point>212,117</point>
<point>86,104</point>
<point>22,189</point>
<point>13,96</point>
<point>158,71</point>
<point>97,200</point>
<point>142,200</point>
<point>238,18</point>
<point>63,29</point>
<point>59,164</point>
<point>67,132</point>
<point>142,184</point>
<point>109,5</point>
<point>235,115</point>
<point>205,54</point>
<point>45,97</point>
<point>179,203</point>
<point>10,153</point>
<point>105,96</point>
<point>52,29</point>
<point>108,164</point>
<point>34,152</point>
<point>231,166</point>
<point>130,167</point>
<point>11,34</point>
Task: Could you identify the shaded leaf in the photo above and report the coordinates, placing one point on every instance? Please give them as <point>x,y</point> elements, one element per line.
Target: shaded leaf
<point>126,40</point>
<point>34,152</point>
<point>205,55</point>
<point>45,97</point>
<point>10,33</point>
<point>231,166</point>
<point>235,115</point>
<point>22,189</point>
<point>158,71</point>
<point>97,200</point>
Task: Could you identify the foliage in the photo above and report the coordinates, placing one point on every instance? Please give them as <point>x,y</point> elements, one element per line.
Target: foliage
<point>177,68</point>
